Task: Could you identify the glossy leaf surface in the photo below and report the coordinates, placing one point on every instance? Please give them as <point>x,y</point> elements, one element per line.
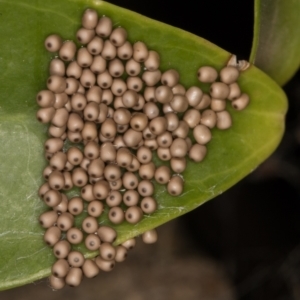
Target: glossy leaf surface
<point>276,41</point>
<point>232,154</point>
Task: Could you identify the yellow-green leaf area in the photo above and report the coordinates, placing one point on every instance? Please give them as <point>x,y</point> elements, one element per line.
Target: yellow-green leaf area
<point>232,154</point>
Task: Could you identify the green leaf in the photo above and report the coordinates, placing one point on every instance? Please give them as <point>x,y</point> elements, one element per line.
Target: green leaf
<point>276,41</point>
<point>232,154</point>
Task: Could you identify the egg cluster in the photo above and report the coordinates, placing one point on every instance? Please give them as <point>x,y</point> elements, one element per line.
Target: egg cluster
<point>110,108</point>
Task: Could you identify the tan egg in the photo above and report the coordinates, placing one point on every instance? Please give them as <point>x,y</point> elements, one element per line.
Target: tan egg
<point>192,117</point>
<point>133,214</point>
<point>56,283</point>
<point>56,84</point>
<point>46,172</point>
<point>115,185</point>
<point>121,254</point>
<point>177,164</point>
<point>57,67</point>
<point>108,152</point>
<point>134,83</point>
<point>106,234</point>
<point>165,139</point>
<point>162,175</point>
<point>75,259</point>
<point>74,137</point>
<point>53,43</point>
<point>158,125</point>
<point>235,91</point>
<point>104,265</point>
<point>163,94</point>
<point>84,58</point>
<point>124,157</point>
<point>112,172</point>
<point>208,118</point>
<point>150,236</point>
<point>45,98</point>
<point>109,51</point>
<point>104,27</point>
<point>61,249</point>
<point>148,134</point>
<point>60,268</point>
<point>241,102</point>
<point>219,90</point>
<point>145,188</point>
<point>179,103</point>
<point>149,93</point>
<point>146,171</point>
<point>103,109</point>
<point>84,36</point>
<point>75,206</point>
<point>95,208</point>
<point>134,166</point>
<point>68,180</point>
<point>202,134</point>
<point>148,205</point>
<point>89,225</point>
<point>48,219</point>
<point>87,193</point>
<point>95,45</point>
<point>89,131</point>
<point>153,61</point>
<point>78,102</point>
<point>98,65</point>
<point>144,155</point>
<point>92,242</point>
<point>130,180</point>
<point>129,244</point>
<point>178,89</point>
<point>224,120</point>
<point>139,121</point>
<point>90,269</point>
<point>151,110</point>
<point>170,78</point>
<point>140,52</point>
<point>101,189</point>
<point>205,102</point>
<point>207,74</point>
<point>197,152</point>
<point>151,78</point>
<point>89,19</point>
<point>218,104</point>
<point>194,96</point>
<point>74,277</point>
<point>175,186</point>
<point>67,51</point>
<point>79,177</point>
<point>181,131</point>
<point>52,236</point>
<point>131,197</point>
<point>53,145</point>
<point>229,74</point>
<point>116,67</point>
<point>116,215</point>
<point>104,80</point>
<point>56,180</point>
<point>118,36</point>
<point>62,100</point>
<point>132,138</point>
<point>74,236</point>
<point>88,78</point>
<point>57,132</point>
<point>125,51</point>
<point>74,70</point>
<point>91,150</point>
<point>62,206</point>
<point>75,122</point>
<point>60,117</point>
<point>65,221</point>
<point>151,144</point>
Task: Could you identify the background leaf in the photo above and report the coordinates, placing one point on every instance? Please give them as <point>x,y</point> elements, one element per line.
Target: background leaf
<point>232,154</point>
<point>276,41</point>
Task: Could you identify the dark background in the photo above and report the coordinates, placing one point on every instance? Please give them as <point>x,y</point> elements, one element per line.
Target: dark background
<point>243,244</point>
